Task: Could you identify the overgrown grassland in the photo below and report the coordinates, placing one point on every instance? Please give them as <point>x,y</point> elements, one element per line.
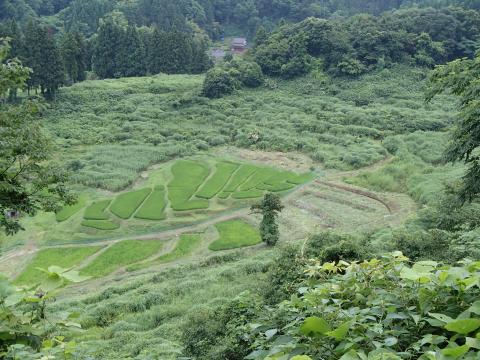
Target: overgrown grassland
<point>121,254</point>
<point>64,257</point>
<point>126,204</point>
<point>338,122</point>
<point>235,234</point>
<point>146,315</point>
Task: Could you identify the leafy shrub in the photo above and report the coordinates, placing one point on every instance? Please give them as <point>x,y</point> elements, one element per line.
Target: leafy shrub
<point>218,82</point>
<point>425,311</point>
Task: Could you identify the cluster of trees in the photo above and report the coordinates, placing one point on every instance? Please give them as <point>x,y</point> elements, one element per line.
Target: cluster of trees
<point>123,50</point>
<point>361,43</point>
<point>232,74</point>
<point>53,61</point>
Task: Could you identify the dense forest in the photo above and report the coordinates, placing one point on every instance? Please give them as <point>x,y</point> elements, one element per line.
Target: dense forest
<point>252,179</point>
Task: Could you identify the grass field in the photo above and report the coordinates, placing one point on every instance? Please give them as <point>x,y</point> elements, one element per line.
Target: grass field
<point>216,183</point>
<point>235,234</point>
<point>240,176</point>
<point>187,178</point>
<point>121,254</point>
<point>126,204</point>
<point>68,211</point>
<point>63,257</point>
<point>101,224</point>
<point>154,207</point>
<point>96,211</point>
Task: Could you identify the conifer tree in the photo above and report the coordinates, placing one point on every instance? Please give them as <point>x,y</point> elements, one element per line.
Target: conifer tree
<point>106,48</point>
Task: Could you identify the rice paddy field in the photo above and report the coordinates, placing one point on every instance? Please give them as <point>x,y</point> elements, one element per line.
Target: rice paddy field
<point>165,180</point>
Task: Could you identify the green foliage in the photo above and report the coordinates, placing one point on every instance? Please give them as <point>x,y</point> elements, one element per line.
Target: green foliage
<point>126,204</point>
<point>68,211</point>
<point>460,77</point>
<point>28,330</point>
<point>218,82</point>
<point>121,254</point>
<point>397,310</point>
<point>218,180</point>
<point>101,224</point>
<point>153,208</point>
<point>185,246</point>
<point>270,207</point>
<point>96,211</point>
<point>235,234</point>
<point>27,184</point>
<point>188,176</point>
<point>67,257</point>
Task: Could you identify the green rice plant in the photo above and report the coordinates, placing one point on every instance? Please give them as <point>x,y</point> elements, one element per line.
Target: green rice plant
<point>301,179</point>
<point>249,194</point>
<point>65,257</point>
<point>101,224</point>
<point>121,254</point>
<point>261,175</point>
<point>239,177</point>
<point>276,187</point>
<point>126,204</point>
<point>216,183</point>
<point>153,208</point>
<point>186,244</point>
<point>68,211</point>
<point>96,211</point>
<point>224,195</point>
<point>188,176</point>
<point>235,234</point>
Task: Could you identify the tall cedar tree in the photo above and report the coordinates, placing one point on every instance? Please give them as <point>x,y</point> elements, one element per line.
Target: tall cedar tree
<point>73,49</point>
<point>106,48</point>
<point>43,57</point>
<point>131,54</point>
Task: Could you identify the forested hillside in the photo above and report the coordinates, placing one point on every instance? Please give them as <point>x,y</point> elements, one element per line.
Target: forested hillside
<point>228,180</point>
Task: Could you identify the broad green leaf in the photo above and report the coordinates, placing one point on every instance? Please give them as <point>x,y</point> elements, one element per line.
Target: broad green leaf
<point>475,308</point>
<point>270,333</point>
<point>340,332</point>
<point>456,352</point>
<point>463,326</point>
<point>391,341</point>
<point>314,326</point>
<point>351,355</point>
<point>74,276</point>
<point>382,354</point>
<point>473,343</point>
<point>14,299</point>
<point>301,357</point>
<point>442,317</point>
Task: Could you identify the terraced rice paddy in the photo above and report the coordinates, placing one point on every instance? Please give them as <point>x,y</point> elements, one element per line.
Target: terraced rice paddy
<point>121,254</point>
<point>191,185</point>
<point>64,257</point>
<point>235,234</point>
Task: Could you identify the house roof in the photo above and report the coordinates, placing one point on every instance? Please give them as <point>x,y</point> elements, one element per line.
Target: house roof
<point>239,41</point>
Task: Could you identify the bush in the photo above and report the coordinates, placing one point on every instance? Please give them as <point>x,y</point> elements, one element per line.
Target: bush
<point>218,82</point>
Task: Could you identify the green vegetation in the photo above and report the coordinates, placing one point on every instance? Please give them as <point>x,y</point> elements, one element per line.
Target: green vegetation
<point>66,257</point>
<point>270,207</point>
<point>121,254</point>
<point>235,234</point>
<point>126,204</point>
<point>187,178</point>
<point>153,208</point>
<point>101,224</point>
<point>218,180</point>
<point>96,211</point>
<point>185,245</point>
<point>68,211</point>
